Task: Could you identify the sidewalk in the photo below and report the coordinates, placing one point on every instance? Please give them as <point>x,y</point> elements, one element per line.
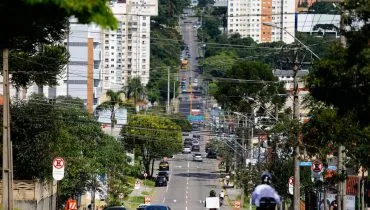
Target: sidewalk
<point>136,197</point>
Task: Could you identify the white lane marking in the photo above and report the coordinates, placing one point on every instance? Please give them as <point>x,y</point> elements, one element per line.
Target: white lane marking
<point>164,199</point>
<point>186,208</point>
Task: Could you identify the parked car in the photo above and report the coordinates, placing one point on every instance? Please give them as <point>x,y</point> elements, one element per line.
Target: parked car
<point>197,157</point>
<point>157,207</point>
<point>116,208</point>
<point>211,154</point>
<point>188,141</point>
<point>195,148</point>
<point>142,207</point>
<point>160,181</point>
<point>195,142</point>
<point>165,174</point>
<point>196,136</point>
<point>186,150</point>
<point>164,166</point>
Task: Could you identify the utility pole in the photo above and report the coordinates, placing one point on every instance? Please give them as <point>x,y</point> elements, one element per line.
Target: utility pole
<point>296,114</point>
<point>68,31</point>
<point>7,146</point>
<point>341,150</point>
<point>174,96</point>
<point>168,90</point>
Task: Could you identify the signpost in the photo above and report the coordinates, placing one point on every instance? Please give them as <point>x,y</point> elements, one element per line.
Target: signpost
<point>137,185</point>
<point>291,185</point>
<point>58,168</point>
<point>317,168</point>
<point>145,175</point>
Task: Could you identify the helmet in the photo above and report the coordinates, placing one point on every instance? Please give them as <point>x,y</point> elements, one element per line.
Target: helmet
<point>266,178</point>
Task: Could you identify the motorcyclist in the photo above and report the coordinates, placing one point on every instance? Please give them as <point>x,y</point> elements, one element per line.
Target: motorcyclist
<point>264,196</point>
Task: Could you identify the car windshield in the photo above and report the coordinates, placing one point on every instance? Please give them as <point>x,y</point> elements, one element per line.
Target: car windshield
<point>198,155</point>
<point>116,208</point>
<point>156,208</point>
<point>162,173</point>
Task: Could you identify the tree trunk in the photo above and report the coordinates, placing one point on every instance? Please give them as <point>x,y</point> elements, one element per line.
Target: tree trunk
<point>93,199</point>
<point>16,93</point>
<point>151,174</point>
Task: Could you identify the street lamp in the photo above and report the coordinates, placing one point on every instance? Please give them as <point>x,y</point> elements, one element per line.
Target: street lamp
<point>295,38</point>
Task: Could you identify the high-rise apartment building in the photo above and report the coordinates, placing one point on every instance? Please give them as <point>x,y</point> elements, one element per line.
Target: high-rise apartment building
<point>246,17</point>
<point>126,51</point>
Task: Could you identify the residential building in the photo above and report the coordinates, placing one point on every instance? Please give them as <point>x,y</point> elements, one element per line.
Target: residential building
<point>286,76</point>
<point>246,17</point>
<point>126,51</point>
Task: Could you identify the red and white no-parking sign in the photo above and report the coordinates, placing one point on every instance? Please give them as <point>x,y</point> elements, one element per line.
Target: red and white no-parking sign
<point>317,166</point>
<point>58,168</point>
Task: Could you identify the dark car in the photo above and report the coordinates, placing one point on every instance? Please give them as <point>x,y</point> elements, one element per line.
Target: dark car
<point>195,148</point>
<point>212,154</point>
<point>165,174</point>
<point>157,207</point>
<point>115,208</point>
<point>164,166</point>
<point>188,141</point>
<point>160,181</point>
<point>196,136</point>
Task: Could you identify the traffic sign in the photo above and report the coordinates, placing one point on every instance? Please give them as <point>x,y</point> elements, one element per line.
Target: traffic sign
<point>145,175</point>
<point>137,185</point>
<point>147,200</point>
<point>237,204</point>
<point>291,185</point>
<point>317,166</point>
<point>305,163</point>
<point>58,168</point>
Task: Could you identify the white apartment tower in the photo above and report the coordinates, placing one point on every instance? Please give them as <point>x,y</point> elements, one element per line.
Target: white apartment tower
<point>126,51</point>
<point>246,17</point>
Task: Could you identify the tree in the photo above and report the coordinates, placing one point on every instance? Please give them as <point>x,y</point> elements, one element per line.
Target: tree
<point>323,8</point>
<point>134,89</point>
<point>64,128</point>
<point>219,64</point>
<point>153,137</point>
<point>341,78</point>
<point>114,102</point>
<point>249,79</point>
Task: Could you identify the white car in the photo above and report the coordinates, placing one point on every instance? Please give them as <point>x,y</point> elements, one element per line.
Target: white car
<point>197,157</point>
<point>186,150</point>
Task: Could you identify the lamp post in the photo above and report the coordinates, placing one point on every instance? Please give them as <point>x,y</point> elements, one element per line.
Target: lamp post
<point>295,38</point>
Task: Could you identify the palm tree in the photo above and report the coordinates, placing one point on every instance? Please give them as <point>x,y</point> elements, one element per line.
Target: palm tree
<point>114,102</point>
<point>134,90</point>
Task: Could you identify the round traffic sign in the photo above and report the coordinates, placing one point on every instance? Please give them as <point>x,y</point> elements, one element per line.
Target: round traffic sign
<point>291,180</point>
<point>145,174</point>
<point>317,166</point>
<point>58,163</point>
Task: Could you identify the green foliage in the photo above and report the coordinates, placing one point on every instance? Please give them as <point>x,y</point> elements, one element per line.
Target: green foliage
<point>181,121</point>
<point>323,8</point>
<point>152,137</point>
<point>231,94</point>
<point>42,67</point>
<point>219,64</point>
<point>45,21</point>
<point>165,51</point>
<point>135,89</point>
<point>65,129</point>
<point>169,11</point>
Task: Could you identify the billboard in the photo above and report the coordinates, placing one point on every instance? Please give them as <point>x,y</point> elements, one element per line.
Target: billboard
<point>195,118</point>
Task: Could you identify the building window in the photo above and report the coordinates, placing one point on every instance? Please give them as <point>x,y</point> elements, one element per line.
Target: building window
<point>112,72</point>
<point>143,73</point>
<point>106,47</point>
<point>144,60</point>
<point>107,35</point>
<point>112,65</point>
<point>144,24</point>
<point>106,78</point>
<point>111,47</point>
<point>143,66</point>
<point>112,59</point>
<point>106,60</point>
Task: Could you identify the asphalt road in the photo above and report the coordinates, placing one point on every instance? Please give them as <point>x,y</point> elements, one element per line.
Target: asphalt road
<point>190,182</point>
<point>189,75</point>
